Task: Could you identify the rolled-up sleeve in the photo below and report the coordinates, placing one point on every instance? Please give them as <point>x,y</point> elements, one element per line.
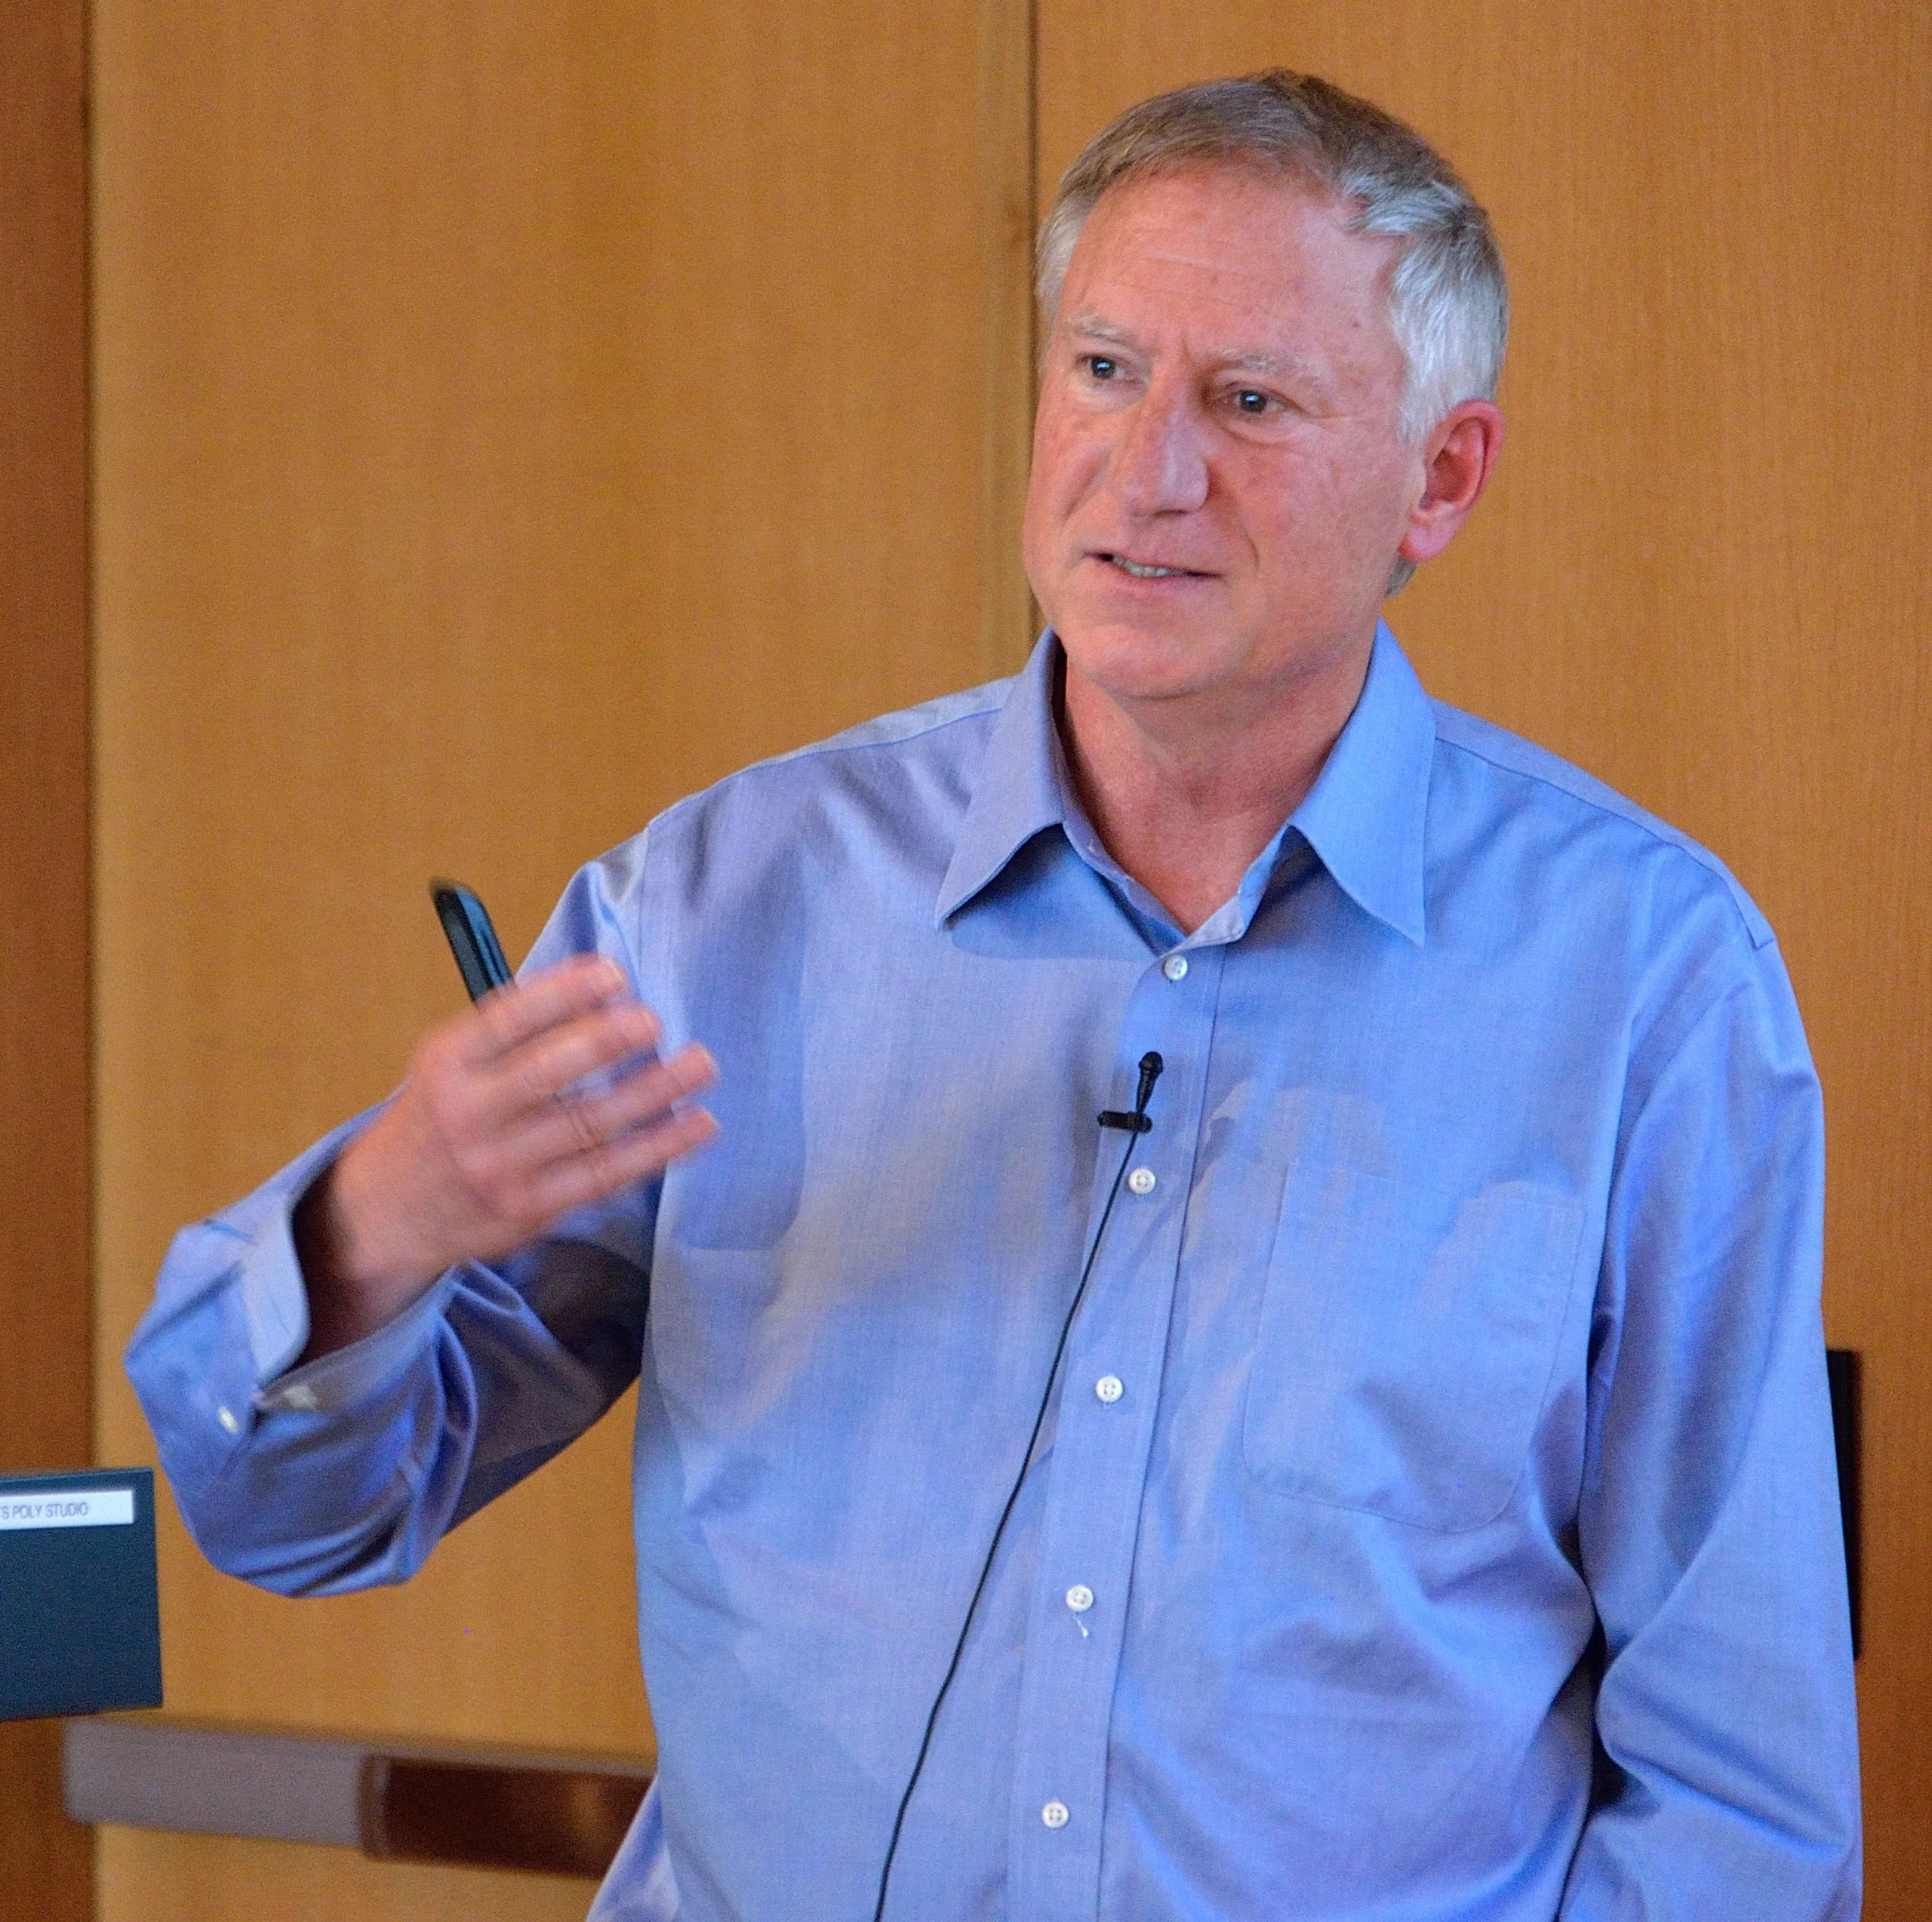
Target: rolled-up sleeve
<point>344,1472</point>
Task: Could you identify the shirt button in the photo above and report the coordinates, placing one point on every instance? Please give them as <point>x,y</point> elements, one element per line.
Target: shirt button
<point>1054,1815</point>
<point>225,1416</point>
<point>1109,1388</point>
<point>1174,967</point>
<point>1080,1598</point>
<point>1142,1181</point>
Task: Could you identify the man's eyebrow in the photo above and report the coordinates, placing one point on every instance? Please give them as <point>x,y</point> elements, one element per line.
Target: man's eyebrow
<point>1091,327</point>
<point>1276,366</point>
<point>1232,360</point>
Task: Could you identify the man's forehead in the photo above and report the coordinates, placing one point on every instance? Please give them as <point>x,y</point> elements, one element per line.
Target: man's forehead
<point>1262,272</point>
<point>1225,189</point>
<point>1232,220</point>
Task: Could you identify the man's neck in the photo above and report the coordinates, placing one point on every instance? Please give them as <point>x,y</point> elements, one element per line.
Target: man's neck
<point>1185,793</point>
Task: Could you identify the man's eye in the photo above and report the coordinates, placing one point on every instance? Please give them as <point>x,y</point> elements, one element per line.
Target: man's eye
<point>1100,367</point>
<point>1250,401</point>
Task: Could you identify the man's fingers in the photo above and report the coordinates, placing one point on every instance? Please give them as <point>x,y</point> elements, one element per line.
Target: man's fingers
<point>524,1044</point>
<point>573,1125</point>
<point>551,1063</point>
<point>487,1143</point>
<point>615,1163</point>
<point>508,1017</point>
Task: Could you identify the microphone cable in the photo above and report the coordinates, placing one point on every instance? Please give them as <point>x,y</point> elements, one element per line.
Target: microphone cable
<point>1136,1124</point>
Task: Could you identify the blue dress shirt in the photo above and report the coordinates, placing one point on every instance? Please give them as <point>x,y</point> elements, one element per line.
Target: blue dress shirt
<point>1435,1520</point>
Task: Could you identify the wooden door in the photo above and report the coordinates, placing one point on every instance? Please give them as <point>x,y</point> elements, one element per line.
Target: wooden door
<point>1696,574</point>
<point>509,419</point>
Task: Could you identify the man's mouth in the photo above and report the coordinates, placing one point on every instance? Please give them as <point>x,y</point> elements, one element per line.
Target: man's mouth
<point>1148,570</point>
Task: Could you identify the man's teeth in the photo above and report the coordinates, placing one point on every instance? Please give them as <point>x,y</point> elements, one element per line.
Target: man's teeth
<point>1141,572</point>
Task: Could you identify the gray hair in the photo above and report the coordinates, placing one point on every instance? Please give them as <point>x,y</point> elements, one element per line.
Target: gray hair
<point>1448,304</point>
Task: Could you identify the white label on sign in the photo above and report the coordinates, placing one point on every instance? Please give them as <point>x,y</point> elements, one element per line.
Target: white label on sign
<point>73,1508</point>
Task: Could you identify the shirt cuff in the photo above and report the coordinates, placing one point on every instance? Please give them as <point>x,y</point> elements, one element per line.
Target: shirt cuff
<point>346,1375</point>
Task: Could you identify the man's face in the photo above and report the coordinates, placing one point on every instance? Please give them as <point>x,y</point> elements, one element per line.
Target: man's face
<point>1219,489</point>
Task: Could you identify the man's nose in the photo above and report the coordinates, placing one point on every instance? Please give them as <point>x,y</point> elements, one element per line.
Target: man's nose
<point>1160,464</point>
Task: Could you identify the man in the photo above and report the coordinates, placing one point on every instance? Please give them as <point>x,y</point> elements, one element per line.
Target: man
<point>1428,1506</point>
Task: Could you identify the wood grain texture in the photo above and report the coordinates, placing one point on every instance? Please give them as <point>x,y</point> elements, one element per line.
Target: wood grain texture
<point>509,419</point>
<point>207,1878</point>
<point>1008,145</point>
<point>1695,575</point>
<point>46,1861</point>
<point>43,1197</point>
<point>45,1382</point>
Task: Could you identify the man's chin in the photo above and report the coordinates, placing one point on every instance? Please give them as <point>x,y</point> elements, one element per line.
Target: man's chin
<point>1135,663</point>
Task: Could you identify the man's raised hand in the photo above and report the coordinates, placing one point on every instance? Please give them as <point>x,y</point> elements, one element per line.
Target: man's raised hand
<point>491,1138</point>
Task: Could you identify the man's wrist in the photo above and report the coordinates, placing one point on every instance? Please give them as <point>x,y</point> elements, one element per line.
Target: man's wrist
<point>354,1286</point>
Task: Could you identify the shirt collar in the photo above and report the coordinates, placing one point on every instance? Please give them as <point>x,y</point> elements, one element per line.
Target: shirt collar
<point>1363,817</point>
<point>1018,790</point>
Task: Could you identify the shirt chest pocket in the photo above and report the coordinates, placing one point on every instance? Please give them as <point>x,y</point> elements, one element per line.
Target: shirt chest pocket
<point>1405,1344</point>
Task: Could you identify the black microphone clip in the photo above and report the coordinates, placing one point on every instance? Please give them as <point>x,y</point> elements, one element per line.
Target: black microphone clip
<point>1137,1123</point>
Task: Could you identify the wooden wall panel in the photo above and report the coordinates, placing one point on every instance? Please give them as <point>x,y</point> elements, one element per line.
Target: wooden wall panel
<point>45,1203</point>
<point>509,418</point>
<point>1695,574</point>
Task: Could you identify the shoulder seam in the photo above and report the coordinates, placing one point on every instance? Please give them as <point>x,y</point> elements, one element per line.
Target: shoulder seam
<point>841,743</point>
<point>1635,816</point>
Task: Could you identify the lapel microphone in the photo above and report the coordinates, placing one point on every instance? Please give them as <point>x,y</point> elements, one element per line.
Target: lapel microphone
<point>1137,1123</point>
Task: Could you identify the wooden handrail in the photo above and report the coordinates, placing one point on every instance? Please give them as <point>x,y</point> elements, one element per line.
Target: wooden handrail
<point>540,1812</point>
<point>546,1820</point>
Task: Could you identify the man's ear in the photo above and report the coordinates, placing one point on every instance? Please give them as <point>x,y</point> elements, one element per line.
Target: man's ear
<point>1457,459</point>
